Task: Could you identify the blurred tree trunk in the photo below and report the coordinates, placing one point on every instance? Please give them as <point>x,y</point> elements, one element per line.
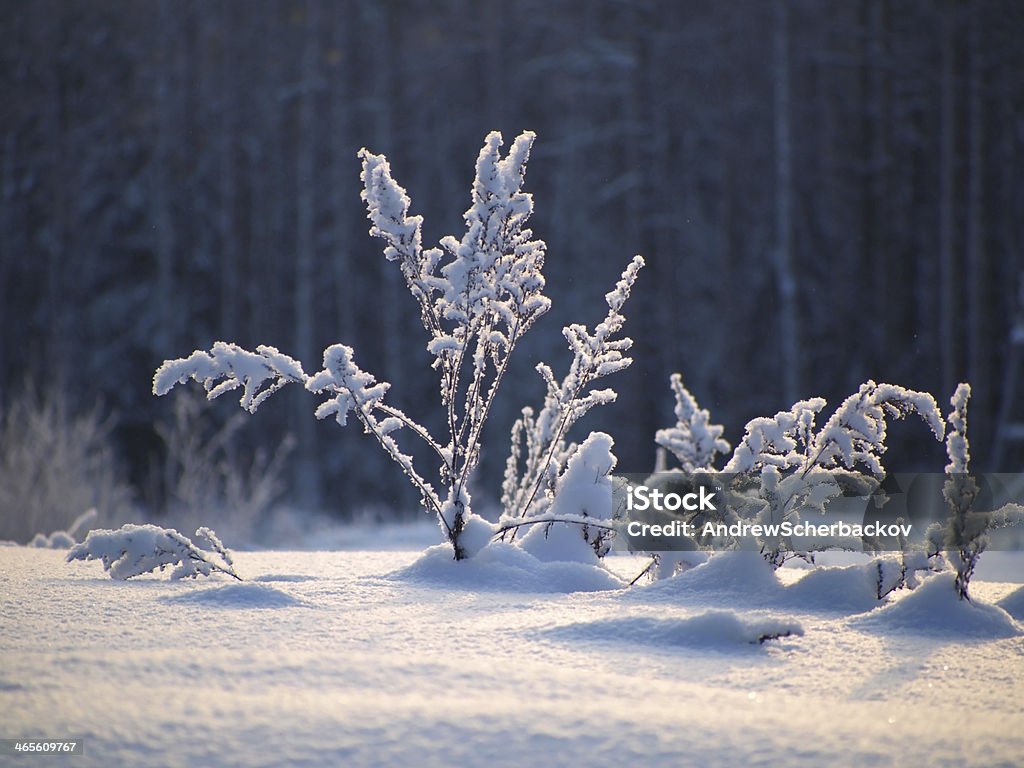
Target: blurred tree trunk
<point>343,182</point>
<point>308,476</point>
<point>162,214</point>
<point>378,16</point>
<point>876,250</point>
<point>56,236</point>
<point>785,271</point>
<point>978,343</point>
<point>227,235</point>
<point>8,248</point>
<point>947,159</point>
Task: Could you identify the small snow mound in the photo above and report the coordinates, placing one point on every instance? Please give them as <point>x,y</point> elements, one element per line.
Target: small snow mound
<point>238,596</point>
<point>852,589</point>
<point>283,577</point>
<point>1013,604</point>
<point>740,575</point>
<point>712,629</point>
<point>504,567</point>
<point>934,608</point>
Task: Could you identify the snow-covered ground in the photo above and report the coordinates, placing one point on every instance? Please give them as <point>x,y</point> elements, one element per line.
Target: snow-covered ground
<point>380,658</point>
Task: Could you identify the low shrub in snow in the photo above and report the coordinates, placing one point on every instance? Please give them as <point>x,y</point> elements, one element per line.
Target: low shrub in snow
<point>694,440</point>
<point>477,295</point>
<point>964,536</point>
<point>785,466</point>
<point>795,468</point>
<point>136,549</point>
<point>55,462</point>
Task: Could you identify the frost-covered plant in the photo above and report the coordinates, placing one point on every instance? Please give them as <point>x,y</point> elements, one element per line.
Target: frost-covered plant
<point>54,463</point>
<point>799,469</point>
<point>694,440</point>
<point>899,571</point>
<point>964,536</point>
<point>539,451</point>
<point>477,297</point>
<point>136,549</point>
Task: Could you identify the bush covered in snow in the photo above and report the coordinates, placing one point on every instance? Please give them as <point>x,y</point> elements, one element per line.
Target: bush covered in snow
<point>136,549</point>
<point>796,468</point>
<point>477,295</point>
<point>785,466</point>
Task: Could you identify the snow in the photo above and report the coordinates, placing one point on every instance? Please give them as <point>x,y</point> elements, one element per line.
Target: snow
<point>363,658</point>
<point>734,577</point>
<point>851,589</point>
<point>505,567</point>
<point>1013,604</point>
<point>715,630</point>
<point>239,596</point>
<point>934,608</point>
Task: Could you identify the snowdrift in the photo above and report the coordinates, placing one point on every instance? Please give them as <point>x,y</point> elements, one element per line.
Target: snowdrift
<point>505,567</point>
<point>934,609</point>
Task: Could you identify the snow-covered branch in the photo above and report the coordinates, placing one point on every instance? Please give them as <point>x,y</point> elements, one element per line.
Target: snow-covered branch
<point>694,440</point>
<point>136,549</point>
<point>530,477</point>
<point>581,506</point>
<point>226,367</point>
<point>358,391</point>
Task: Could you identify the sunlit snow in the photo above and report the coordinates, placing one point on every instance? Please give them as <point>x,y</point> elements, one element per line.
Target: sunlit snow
<point>376,658</point>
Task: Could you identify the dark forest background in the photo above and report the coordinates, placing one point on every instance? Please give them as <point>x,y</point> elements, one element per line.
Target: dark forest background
<point>824,193</point>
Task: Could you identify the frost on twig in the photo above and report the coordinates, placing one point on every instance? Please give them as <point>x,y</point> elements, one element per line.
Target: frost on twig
<point>694,440</point>
<point>136,549</point>
<point>966,529</point>
<point>539,451</point>
<point>227,367</point>
<point>965,535</point>
<point>797,468</point>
